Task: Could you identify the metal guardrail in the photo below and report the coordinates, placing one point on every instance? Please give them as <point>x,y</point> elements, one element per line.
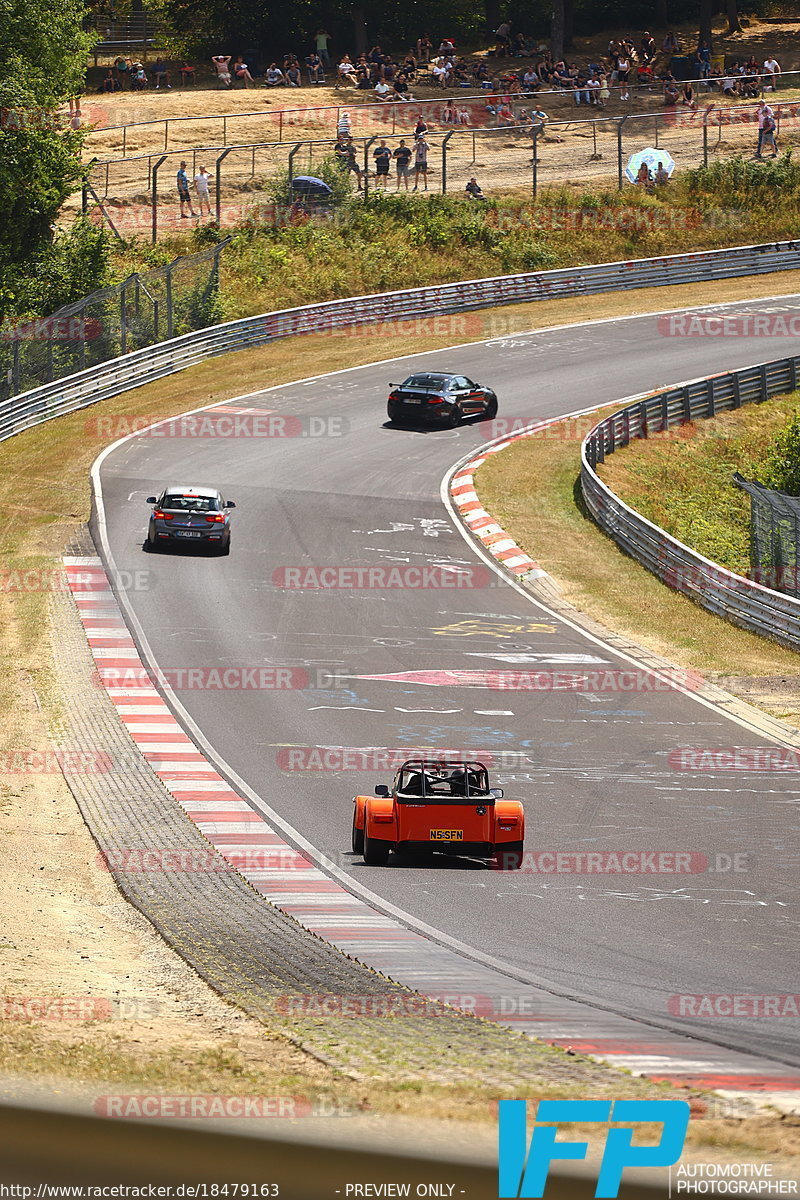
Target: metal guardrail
<point>153,362</point>
<point>739,600</point>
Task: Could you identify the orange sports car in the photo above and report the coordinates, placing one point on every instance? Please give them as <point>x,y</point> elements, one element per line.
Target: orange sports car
<point>445,806</point>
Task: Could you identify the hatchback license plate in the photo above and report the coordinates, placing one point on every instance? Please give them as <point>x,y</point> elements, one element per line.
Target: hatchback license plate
<point>187,533</point>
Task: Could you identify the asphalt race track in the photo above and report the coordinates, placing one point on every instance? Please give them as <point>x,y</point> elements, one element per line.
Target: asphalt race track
<point>593,769</point>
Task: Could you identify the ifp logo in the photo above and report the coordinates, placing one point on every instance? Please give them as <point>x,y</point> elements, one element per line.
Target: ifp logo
<point>524,1169</point>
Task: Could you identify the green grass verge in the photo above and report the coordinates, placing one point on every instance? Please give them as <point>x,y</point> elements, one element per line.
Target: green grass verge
<point>682,480</point>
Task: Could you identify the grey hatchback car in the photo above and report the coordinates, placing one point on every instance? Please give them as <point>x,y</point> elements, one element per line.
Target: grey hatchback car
<point>183,515</point>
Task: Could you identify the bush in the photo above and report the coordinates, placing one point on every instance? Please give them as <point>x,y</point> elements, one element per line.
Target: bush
<point>782,464</point>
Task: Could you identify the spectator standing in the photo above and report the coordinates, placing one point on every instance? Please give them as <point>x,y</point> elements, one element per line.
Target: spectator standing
<point>648,49</point>
<point>402,159</point>
<point>343,125</point>
<point>383,159</point>
<point>421,149</point>
<point>671,45</point>
<point>345,153</point>
<point>503,35</point>
<point>623,70</point>
<point>184,195</point>
<point>766,128</point>
<point>322,40</point>
<point>201,183</point>
<point>222,67</point>
<point>703,56</point>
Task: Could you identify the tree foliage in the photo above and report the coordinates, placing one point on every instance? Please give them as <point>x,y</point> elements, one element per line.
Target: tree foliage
<point>782,467</point>
<point>42,64</point>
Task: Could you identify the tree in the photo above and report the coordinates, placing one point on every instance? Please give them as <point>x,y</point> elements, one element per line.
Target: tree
<point>732,9</point>
<point>706,12</point>
<point>42,64</point>
<point>782,465</point>
<point>558,30</point>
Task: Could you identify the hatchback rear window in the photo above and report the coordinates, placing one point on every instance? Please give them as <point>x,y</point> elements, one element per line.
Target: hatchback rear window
<point>189,503</point>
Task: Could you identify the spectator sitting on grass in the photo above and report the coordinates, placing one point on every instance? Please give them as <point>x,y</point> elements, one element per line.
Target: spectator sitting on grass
<point>424,47</point>
<point>530,80</point>
<point>661,176</point>
<point>401,91</point>
<point>242,71</point>
<point>315,69</point>
<point>671,45</point>
<point>648,48</point>
<point>138,77</point>
<point>222,67</point>
<point>728,85</point>
<point>110,84</point>
<point>772,69</point>
<point>273,76</point>
<point>382,90</point>
<point>439,70</point>
<point>473,190</point>
<point>346,73</point>
<point>449,115</point>
<point>463,116</point>
<point>161,73</point>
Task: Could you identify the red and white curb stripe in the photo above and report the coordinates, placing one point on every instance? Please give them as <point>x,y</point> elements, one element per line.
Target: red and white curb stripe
<point>297,886</point>
<point>483,525</point>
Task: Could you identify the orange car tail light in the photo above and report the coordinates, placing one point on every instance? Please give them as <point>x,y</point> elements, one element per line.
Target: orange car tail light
<point>383,818</point>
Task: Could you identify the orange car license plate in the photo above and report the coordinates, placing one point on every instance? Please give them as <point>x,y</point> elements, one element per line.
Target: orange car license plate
<point>447,835</point>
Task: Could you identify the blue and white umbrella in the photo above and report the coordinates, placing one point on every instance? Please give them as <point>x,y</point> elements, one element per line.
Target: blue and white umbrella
<point>652,158</point>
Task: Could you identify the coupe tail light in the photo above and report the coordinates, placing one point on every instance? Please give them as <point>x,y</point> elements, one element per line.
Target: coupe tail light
<point>162,516</point>
<point>215,517</point>
<point>435,400</point>
<point>393,396</point>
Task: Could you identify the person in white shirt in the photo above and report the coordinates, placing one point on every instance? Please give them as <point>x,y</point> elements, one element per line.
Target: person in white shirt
<point>201,182</point>
<point>772,69</point>
<point>382,90</point>
<point>346,73</point>
<point>439,71</point>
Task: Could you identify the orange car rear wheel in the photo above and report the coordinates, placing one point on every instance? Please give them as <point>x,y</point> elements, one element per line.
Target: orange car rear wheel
<point>508,856</point>
<point>358,836</point>
<point>376,853</point>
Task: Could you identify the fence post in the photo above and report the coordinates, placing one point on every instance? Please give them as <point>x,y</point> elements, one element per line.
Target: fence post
<point>169,301</point>
<point>124,145</point>
<point>445,140</point>
<point>643,431</point>
<point>712,404</point>
<point>620,122</point>
<point>291,161</point>
<point>154,179</point>
<point>664,412</point>
<point>217,177</point>
<point>166,133</point>
<point>367,143</point>
<point>793,374</point>
<point>15,383</point>
<point>687,405</point>
<point>123,330</point>
<point>537,129</point>
<point>84,198</point>
<point>224,131</point>
<point>280,125</point>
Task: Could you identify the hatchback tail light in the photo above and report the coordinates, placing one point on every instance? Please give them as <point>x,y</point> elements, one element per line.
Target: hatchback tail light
<point>162,516</point>
<point>215,517</point>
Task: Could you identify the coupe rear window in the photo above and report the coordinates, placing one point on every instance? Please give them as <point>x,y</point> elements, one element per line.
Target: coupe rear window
<point>432,382</point>
<point>191,503</point>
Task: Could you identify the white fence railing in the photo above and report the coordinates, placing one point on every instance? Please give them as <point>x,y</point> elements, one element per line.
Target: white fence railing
<point>142,366</point>
<point>741,601</point>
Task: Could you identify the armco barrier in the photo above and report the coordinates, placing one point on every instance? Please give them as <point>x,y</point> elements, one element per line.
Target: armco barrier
<point>741,601</point>
<point>154,362</point>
